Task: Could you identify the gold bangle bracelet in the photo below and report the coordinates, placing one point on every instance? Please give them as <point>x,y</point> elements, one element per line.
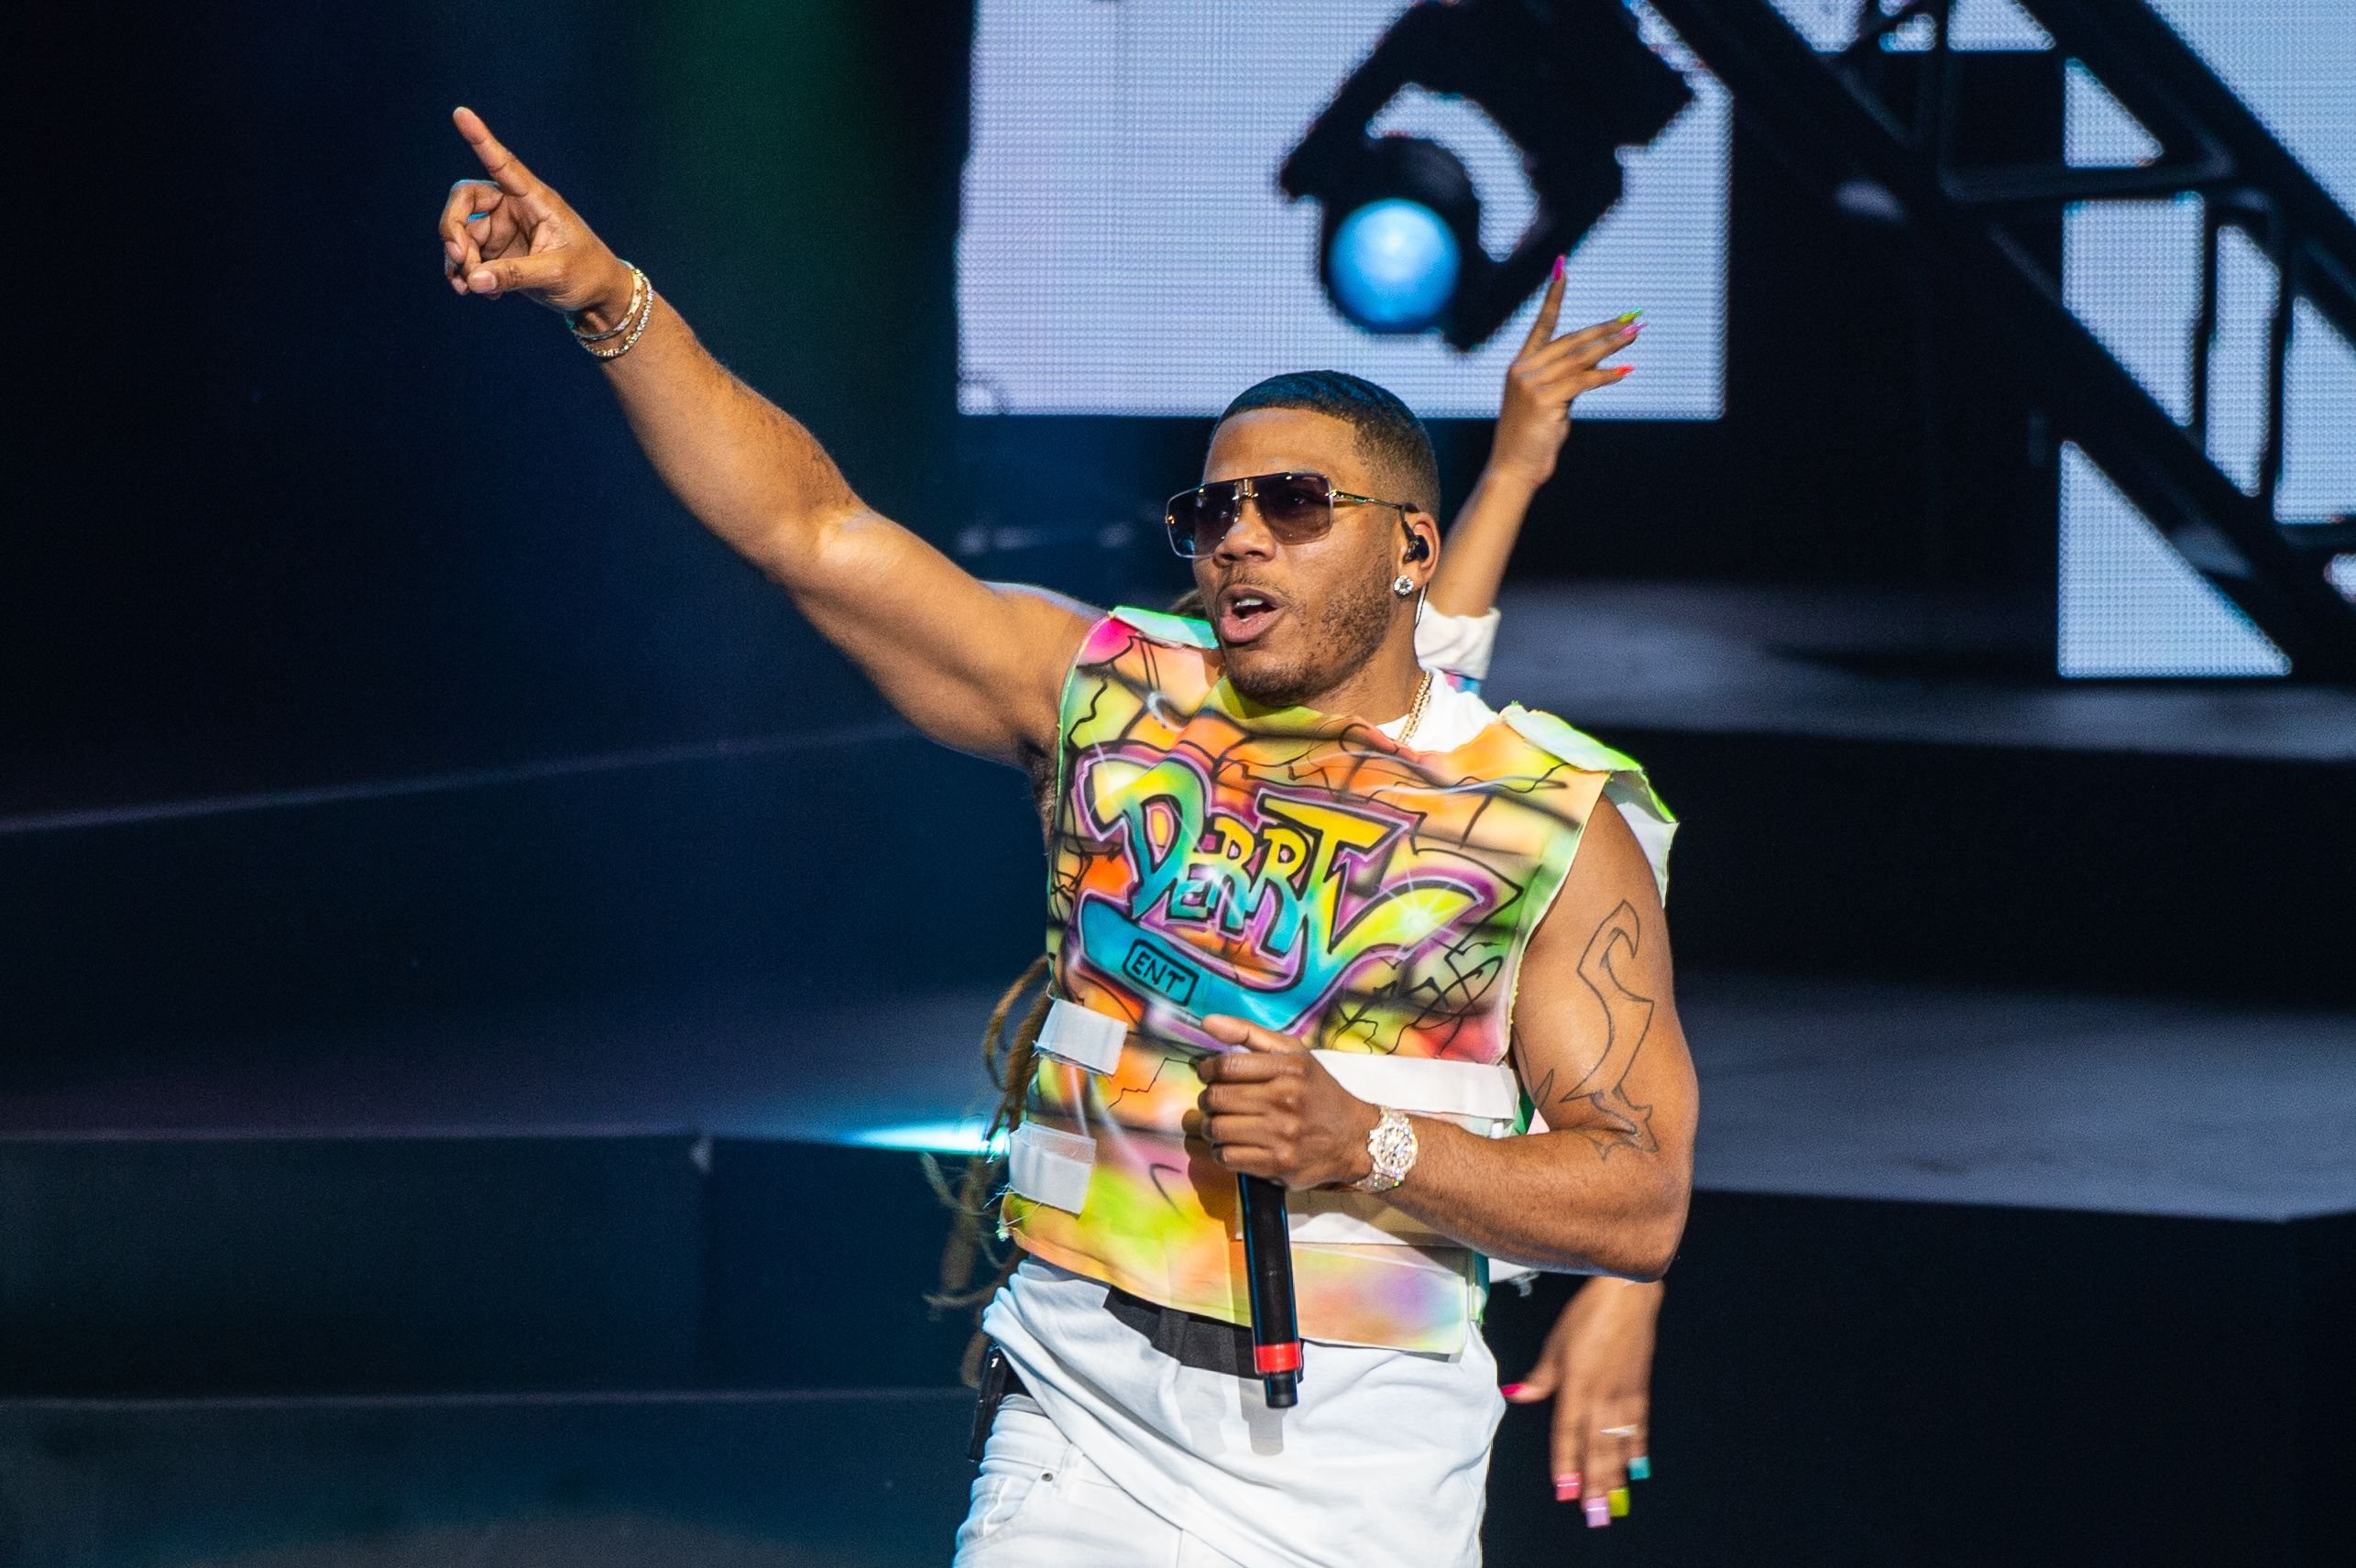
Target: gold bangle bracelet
<point>621,325</point>
<point>644,313</point>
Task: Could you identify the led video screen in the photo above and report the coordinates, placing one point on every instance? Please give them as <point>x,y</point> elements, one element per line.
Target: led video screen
<point>1125,247</point>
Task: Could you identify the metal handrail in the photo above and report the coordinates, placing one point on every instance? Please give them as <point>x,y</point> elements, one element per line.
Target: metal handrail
<point>1822,113</point>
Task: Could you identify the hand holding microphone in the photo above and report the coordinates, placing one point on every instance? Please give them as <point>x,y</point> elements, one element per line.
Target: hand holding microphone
<point>1269,1109</point>
<point>1273,1115</point>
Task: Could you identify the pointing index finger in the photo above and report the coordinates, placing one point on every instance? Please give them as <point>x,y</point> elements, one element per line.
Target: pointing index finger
<point>506,169</point>
<point>1550,311</point>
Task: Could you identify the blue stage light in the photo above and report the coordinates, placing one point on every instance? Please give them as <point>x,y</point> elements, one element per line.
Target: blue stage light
<point>1393,265</point>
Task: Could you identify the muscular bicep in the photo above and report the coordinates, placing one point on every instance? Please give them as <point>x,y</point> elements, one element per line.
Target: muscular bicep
<point>978,667</point>
<point>1597,1037</point>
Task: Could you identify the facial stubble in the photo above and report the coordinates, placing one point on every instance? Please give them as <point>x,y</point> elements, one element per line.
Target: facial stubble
<point>1350,626</point>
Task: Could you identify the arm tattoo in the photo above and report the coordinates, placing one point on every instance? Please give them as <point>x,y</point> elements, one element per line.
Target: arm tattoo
<point>1626,1017</point>
<point>1543,1095</point>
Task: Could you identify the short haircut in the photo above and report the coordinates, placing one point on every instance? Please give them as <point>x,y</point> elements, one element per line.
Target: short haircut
<point>1390,436</point>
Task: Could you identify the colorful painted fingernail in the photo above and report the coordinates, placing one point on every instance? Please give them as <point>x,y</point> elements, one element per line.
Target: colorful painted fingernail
<point>1624,369</point>
<point>1631,315</point>
<point>1618,1500</point>
<point>1640,1468</point>
<point>1513,1390</point>
<point>1599,1512</point>
<point>1559,261</point>
<point>1566,1487</point>
<point>1631,329</point>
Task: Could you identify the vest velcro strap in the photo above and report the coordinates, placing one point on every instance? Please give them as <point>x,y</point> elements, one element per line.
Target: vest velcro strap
<point>1355,1219</point>
<point>1427,1084</point>
<point>1082,1038</point>
<point>1048,1166</point>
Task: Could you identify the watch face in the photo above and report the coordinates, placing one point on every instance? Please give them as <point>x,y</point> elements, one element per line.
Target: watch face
<point>1391,1147</point>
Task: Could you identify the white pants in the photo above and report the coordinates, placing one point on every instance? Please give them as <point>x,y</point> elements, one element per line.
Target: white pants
<point>1039,1501</point>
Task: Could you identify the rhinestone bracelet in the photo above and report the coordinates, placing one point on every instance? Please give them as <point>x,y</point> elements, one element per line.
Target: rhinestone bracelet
<point>638,291</point>
<point>641,312</point>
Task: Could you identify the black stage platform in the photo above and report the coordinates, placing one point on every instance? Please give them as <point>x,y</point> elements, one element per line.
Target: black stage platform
<point>2044,1245</point>
<point>344,1351</point>
<point>462,1172</point>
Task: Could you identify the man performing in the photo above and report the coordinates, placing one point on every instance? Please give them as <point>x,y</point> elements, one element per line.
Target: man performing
<point>1312,916</point>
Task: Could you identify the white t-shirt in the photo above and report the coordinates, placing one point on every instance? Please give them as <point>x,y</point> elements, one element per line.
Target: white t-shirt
<point>1459,644</point>
<point>1385,1459</point>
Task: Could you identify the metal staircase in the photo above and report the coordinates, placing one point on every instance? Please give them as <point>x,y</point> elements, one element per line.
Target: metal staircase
<point>1826,116</point>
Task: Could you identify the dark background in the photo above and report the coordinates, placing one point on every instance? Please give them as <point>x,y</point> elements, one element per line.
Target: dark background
<point>289,513</point>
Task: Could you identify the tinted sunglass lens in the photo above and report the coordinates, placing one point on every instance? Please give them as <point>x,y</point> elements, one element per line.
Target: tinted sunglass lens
<point>1179,520</point>
<point>1198,519</point>
<point>1295,506</point>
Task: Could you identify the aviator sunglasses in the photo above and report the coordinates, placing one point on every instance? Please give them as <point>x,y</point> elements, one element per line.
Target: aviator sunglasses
<point>1297,509</point>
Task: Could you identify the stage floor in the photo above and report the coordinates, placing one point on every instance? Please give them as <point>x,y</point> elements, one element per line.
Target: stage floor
<point>1817,1088</point>
<point>1873,665</point>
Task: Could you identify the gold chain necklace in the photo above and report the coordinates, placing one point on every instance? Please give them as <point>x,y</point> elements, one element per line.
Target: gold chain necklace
<point>1415,712</point>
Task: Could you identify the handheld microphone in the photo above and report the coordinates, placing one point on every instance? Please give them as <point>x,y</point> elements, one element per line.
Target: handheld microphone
<point>1267,1260</point>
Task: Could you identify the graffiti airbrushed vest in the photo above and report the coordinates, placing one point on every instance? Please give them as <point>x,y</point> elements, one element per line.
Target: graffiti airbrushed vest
<point>1307,873</point>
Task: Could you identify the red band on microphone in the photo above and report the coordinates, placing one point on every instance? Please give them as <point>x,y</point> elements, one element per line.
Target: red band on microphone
<point>1267,1358</point>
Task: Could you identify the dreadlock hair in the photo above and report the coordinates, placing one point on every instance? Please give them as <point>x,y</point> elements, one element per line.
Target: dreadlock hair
<point>1390,436</point>
<point>1008,1057</point>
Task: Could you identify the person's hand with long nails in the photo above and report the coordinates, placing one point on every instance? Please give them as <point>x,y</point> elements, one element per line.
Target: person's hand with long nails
<point>1546,377</point>
<point>1548,374</point>
<point>1597,1368</point>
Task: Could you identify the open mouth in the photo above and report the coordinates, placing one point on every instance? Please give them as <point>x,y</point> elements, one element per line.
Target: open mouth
<point>1245,614</point>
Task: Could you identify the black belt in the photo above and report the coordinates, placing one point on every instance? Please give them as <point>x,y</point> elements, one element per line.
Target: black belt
<point>1189,1338</point>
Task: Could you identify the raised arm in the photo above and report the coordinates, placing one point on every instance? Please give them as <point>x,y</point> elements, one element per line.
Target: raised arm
<point>974,665</point>
<point>1533,421</point>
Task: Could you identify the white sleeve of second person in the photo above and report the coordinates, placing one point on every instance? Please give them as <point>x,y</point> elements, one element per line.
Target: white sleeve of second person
<point>1459,644</point>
